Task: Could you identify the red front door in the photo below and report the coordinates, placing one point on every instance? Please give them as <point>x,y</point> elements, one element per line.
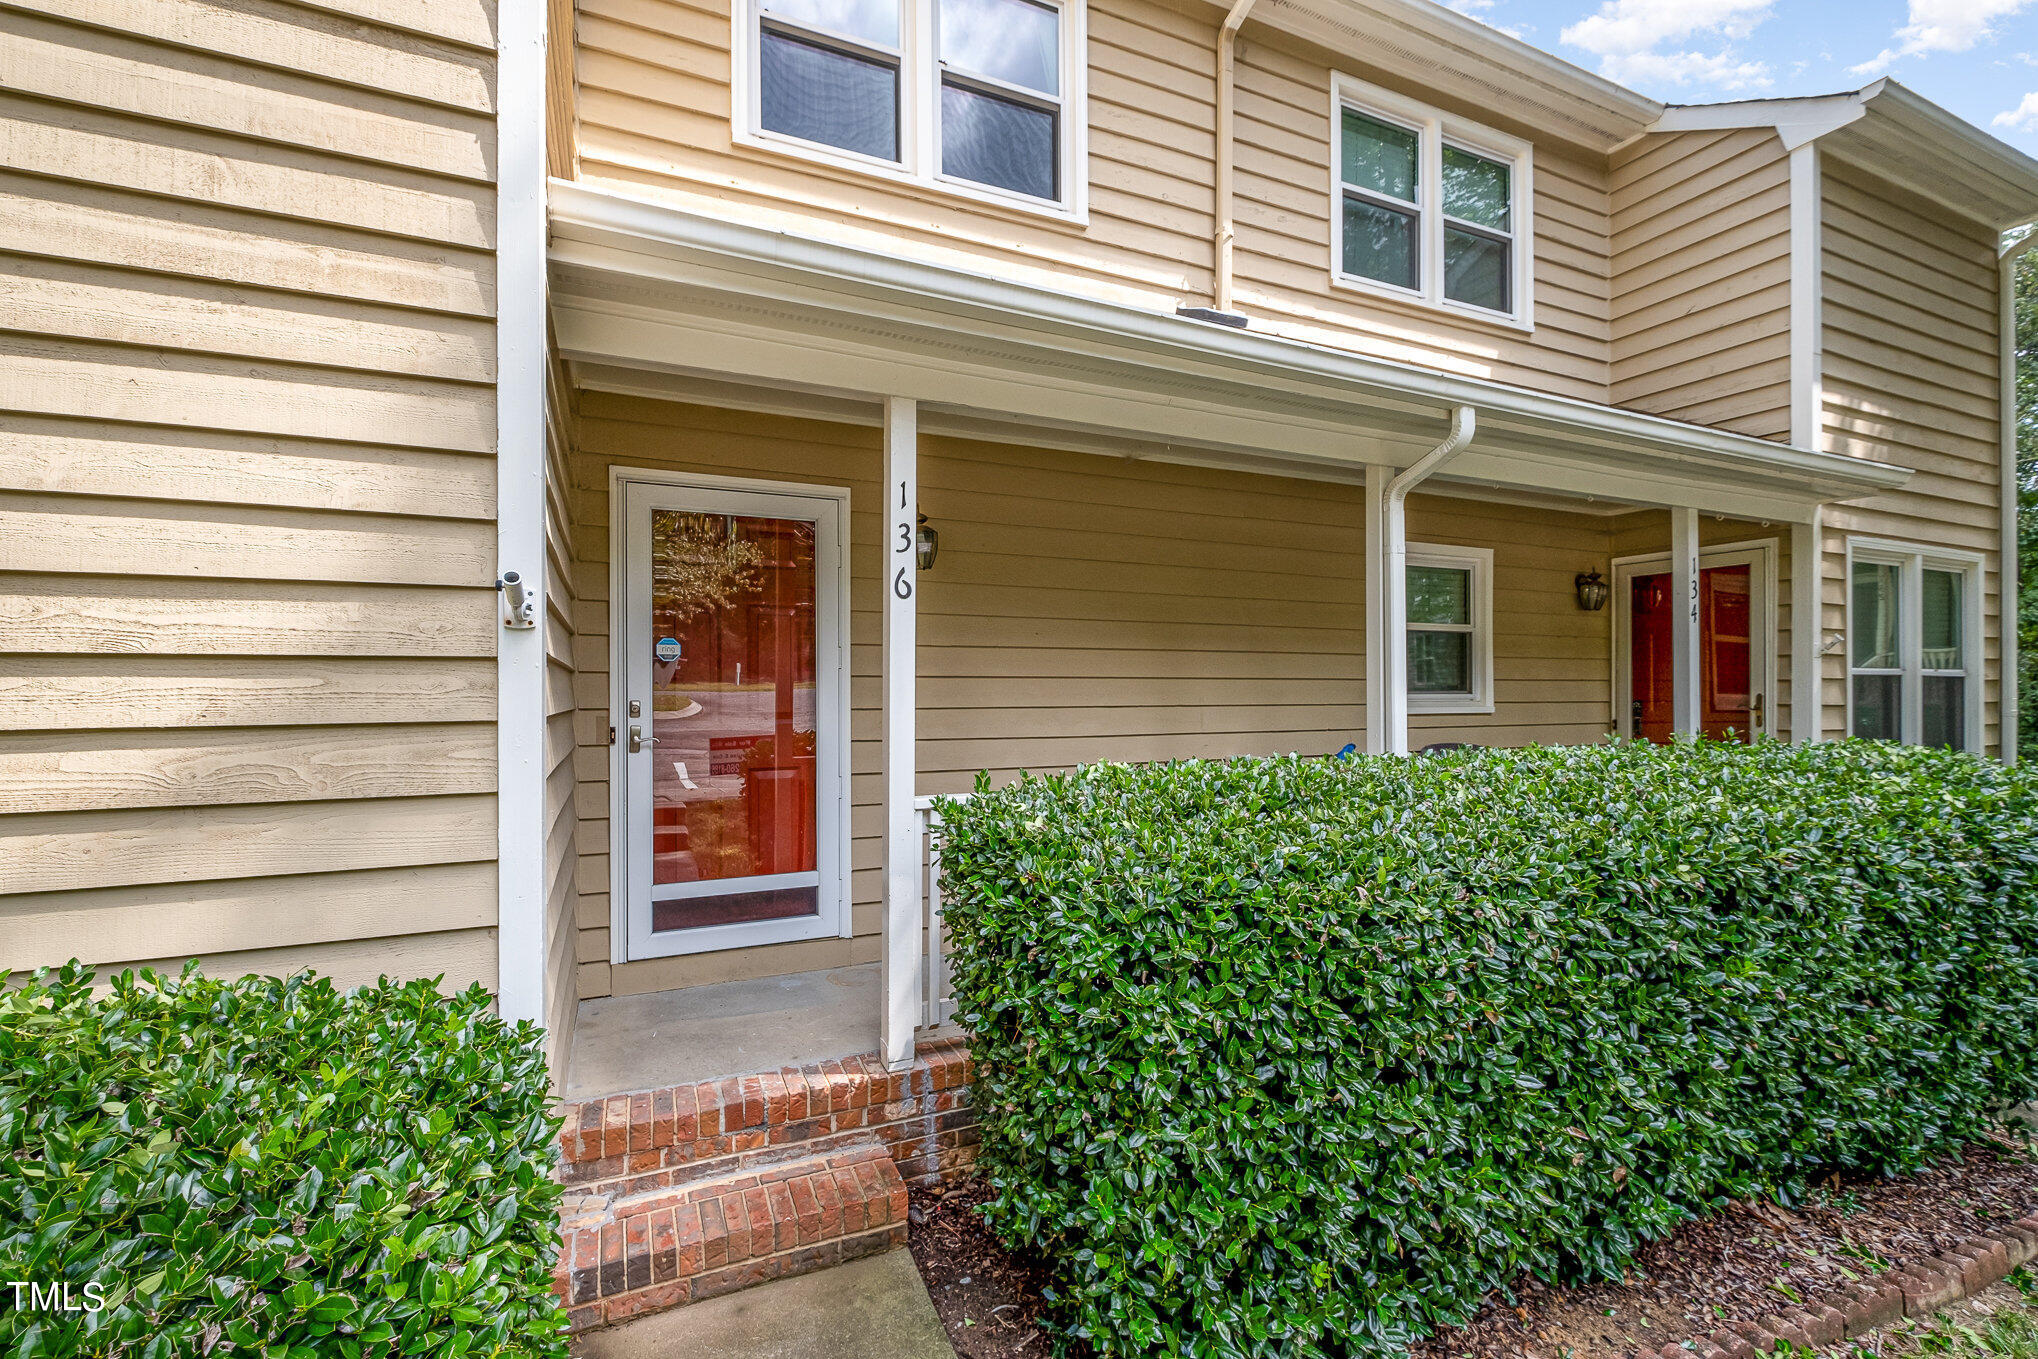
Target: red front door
<point>1730,704</point>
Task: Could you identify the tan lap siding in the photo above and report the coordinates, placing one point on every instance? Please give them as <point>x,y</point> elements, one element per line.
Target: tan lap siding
<point>1285,167</point>
<point>247,678</point>
<point>1701,275</point>
<point>654,120</point>
<point>562,826</point>
<point>1910,378</point>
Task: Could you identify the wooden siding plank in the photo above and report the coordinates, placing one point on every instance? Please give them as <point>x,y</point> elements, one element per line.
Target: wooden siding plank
<point>48,693</point>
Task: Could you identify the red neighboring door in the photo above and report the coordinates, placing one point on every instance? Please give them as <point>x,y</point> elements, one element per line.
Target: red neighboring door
<point>1726,654</point>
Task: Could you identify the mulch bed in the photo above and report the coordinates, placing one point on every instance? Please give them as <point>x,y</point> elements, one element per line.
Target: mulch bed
<point>1747,1262</point>
<point>1754,1259</point>
<point>988,1296</point>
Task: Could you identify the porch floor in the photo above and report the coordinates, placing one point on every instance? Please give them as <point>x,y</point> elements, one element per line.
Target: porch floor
<point>723,1029</point>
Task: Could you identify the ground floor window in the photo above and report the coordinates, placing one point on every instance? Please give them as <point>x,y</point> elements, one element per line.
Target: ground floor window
<point>1450,629</point>
<point>1914,628</point>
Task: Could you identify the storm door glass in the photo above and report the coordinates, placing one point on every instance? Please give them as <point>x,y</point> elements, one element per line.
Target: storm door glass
<point>734,710</point>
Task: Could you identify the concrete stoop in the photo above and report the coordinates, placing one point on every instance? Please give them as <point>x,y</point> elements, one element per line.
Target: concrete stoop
<point>686,1193</point>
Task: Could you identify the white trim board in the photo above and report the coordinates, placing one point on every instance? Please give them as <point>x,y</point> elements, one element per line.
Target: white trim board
<point>521,388</point>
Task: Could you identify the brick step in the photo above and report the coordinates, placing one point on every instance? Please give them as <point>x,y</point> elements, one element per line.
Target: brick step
<point>648,1140</point>
<point>625,1254</point>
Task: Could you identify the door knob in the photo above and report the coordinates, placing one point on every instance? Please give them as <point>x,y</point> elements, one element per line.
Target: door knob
<point>638,740</point>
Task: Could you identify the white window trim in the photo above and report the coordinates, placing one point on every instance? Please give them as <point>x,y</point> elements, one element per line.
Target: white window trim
<point>919,164</point>
<point>1478,561</point>
<point>1434,128</point>
<point>1915,559</point>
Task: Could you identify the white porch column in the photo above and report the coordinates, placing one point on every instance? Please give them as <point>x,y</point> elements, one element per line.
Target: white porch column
<point>521,364</point>
<point>1684,670</point>
<point>1807,631</point>
<point>900,959</point>
<point>1376,609</point>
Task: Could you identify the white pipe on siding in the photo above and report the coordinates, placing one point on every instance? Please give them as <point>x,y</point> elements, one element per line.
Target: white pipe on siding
<point>1227,49</point>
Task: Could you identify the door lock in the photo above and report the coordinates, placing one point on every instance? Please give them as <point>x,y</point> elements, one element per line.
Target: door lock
<point>638,740</point>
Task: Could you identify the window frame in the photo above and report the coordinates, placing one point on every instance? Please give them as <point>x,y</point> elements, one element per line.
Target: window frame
<point>1434,130</point>
<point>921,76</point>
<point>1478,561</point>
<point>1912,561</point>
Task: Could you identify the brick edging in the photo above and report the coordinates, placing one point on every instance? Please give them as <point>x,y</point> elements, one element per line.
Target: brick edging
<point>1914,1290</point>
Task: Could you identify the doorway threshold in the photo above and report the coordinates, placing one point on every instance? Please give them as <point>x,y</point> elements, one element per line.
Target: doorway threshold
<point>702,1033</point>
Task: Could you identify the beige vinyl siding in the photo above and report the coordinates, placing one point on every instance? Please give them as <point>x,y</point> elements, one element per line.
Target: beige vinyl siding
<point>1701,279</point>
<point>1082,608</point>
<point>1286,163</point>
<point>562,115</point>
<point>1910,377</point>
<point>654,110</point>
<point>562,823</point>
<point>247,678</point>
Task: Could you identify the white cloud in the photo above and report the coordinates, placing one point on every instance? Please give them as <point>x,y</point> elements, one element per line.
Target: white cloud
<point>2023,118</point>
<point>1941,26</point>
<point>1630,37</point>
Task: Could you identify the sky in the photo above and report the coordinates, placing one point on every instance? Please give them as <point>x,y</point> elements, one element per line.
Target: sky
<point>1976,58</point>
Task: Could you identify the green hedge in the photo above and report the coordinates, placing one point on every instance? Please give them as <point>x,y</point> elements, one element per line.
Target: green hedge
<point>272,1167</point>
<point>1304,1057</point>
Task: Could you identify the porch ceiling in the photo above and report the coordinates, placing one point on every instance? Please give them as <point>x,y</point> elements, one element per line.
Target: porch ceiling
<point>643,286</point>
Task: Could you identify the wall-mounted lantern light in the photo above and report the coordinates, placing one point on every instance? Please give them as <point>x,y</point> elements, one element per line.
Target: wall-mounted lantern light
<point>1592,591</point>
<point>926,543</point>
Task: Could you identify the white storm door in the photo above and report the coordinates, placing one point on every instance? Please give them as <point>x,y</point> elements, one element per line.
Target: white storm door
<point>731,705</point>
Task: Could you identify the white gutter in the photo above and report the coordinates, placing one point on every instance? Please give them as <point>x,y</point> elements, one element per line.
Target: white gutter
<point>650,231</point>
<point>1227,50</point>
<point>2006,288</point>
<point>1393,559</point>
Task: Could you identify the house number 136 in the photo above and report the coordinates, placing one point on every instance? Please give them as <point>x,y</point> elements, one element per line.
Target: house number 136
<point>902,586</point>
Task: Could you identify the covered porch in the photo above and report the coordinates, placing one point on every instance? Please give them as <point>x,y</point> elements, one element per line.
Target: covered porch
<point>1153,538</point>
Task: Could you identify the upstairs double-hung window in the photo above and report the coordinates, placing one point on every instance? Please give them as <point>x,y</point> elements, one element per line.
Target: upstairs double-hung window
<point>1429,208</point>
<point>978,96</point>
<point>1914,623</point>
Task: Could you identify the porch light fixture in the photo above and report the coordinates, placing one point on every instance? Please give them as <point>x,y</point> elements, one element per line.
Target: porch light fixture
<point>1592,591</point>
<point>926,543</point>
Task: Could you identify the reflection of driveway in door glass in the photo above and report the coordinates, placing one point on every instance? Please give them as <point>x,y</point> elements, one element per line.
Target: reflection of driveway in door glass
<point>733,787</point>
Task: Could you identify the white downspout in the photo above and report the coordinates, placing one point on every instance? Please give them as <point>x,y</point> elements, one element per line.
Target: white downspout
<point>1392,557</point>
<point>1227,47</point>
<point>2006,279</point>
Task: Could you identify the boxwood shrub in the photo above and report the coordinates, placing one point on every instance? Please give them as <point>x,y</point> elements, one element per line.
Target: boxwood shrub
<point>1305,1057</point>
<point>191,1166</point>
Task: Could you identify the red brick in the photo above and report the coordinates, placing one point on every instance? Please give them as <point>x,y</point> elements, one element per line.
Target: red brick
<point>714,1235</point>
<point>785,1215</point>
<point>1828,1325</point>
<point>807,1211</point>
<point>637,1253</point>
<point>584,1318</point>
<point>686,1115</point>
<point>1731,1345</point>
<point>613,1277</point>
<point>647,1160</point>
<point>876,1203</point>
<point>838,1086</point>
<point>616,1126</point>
<point>775,1097</point>
<point>743,1241</point>
<point>709,1097</point>
<point>729,1090</point>
<point>854,1218</point>
<point>664,1248</point>
<point>765,1228</point>
<point>640,1121</point>
<point>795,1093</point>
<point>658,1298</point>
<point>686,1223</point>
<point>586,1265</point>
<point>590,1145</point>
<point>661,1117</point>
<point>829,1200</point>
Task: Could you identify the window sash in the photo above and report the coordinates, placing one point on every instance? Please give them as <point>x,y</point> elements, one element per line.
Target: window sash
<point>1477,566</point>
<point>1910,671</point>
<point>1433,133</point>
<point>922,74</point>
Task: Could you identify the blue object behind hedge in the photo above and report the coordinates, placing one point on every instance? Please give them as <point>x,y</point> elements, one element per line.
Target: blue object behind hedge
<point>1303,1057</point>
